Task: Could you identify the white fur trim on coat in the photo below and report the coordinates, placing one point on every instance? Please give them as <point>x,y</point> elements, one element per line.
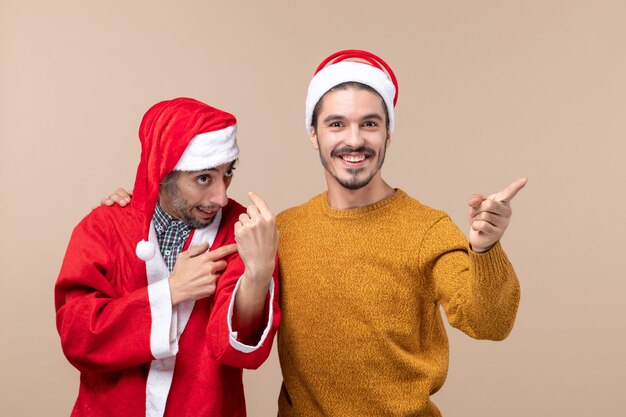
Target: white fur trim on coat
<point>268,326</point>
<point>168,323</point>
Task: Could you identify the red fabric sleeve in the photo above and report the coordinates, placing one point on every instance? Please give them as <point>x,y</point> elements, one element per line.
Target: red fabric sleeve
<point>102,308</point>
<point>218,332</point>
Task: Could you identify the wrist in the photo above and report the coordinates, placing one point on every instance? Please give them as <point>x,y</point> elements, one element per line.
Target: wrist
<point>259,274</point>
<point>175,294</point>
<point>256,284</point>
<point>482,249</point>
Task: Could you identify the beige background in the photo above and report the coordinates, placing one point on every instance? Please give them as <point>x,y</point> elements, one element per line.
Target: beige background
<point>489,91</point>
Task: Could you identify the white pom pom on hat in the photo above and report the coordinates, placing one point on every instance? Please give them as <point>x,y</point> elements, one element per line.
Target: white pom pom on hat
<point>335,70</point>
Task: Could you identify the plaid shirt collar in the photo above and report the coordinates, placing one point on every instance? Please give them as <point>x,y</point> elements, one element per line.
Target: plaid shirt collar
<point>171,234</point>
<point>161,220</point>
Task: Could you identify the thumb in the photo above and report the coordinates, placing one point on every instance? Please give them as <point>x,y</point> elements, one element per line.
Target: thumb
<point>197,250</point>
<point>475,200</point>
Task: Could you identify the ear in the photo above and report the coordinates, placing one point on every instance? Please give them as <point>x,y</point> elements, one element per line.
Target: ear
<point>388,141</point>
<point>313,139</point>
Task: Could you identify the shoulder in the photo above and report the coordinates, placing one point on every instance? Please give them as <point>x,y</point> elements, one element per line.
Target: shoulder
<point>104,231</point>
<point>421,211</point>
<point>297,213</point>
<point>107,219</point>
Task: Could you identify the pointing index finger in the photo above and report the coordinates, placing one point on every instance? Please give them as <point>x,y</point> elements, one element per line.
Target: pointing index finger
<point>259,203</point>
<point>221,252</point>
<point>511,191</point>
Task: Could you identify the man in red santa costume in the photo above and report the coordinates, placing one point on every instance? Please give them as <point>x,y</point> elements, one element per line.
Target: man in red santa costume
<point>160,305</point>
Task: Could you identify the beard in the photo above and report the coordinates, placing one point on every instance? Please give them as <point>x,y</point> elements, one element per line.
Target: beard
<point>353,182</point>
<point>183,208</point>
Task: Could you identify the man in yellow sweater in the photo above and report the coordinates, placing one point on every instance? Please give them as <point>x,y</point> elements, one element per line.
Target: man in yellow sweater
<point>364,267</point>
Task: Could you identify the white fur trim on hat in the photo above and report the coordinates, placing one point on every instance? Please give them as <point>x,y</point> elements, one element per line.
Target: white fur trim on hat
<point>349,71</point>
<point>209,150</point>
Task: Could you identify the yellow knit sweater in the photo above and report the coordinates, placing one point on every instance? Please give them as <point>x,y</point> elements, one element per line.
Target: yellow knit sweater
<point>362,334</point>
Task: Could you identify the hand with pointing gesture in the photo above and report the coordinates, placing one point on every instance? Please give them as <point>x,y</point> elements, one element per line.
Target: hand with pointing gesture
<point>489,216</point>
<point>196,272</point>
<point>257,241</point>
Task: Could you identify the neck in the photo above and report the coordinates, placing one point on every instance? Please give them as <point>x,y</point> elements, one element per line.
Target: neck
<point>342,198</point>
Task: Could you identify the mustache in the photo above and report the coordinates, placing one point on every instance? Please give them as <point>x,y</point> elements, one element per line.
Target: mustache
<point>366,150</point>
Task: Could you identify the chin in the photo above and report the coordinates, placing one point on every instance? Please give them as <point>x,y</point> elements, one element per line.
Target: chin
<point>199,223</point>
<point>354,183</point>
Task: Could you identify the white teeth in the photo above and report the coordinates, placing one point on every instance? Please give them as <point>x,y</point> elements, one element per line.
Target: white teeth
<point>353,158</point>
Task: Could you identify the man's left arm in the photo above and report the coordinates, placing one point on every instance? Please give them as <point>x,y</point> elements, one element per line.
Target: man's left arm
<point>248,292</point>
<point>480,297</point>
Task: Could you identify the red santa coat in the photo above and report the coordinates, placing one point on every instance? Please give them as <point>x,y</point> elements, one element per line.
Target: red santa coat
<point>138,355</point>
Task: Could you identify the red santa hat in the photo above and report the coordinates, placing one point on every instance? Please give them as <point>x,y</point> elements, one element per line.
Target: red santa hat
<point>371,70</point>
<point>182,134</point>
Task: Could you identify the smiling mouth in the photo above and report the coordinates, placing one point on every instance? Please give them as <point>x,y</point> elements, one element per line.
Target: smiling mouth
<point>207,212</point>
<point>353,158</point>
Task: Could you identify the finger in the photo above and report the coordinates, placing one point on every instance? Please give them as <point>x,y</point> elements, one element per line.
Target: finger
<point>194,251</point>
<point>106,202</point>
<point>218,266</point>
<point>238,231</point>
<point>253,212</point>
<point>245,220</point>
<point>119,200</point>
<point>493,219</point>
<point>482,226</point>
<point>260,203</point>
<point>511,191</point>
<point>221,252</point>
<point>495,207</point>
<point>475,205</point>
<point>475,200</point>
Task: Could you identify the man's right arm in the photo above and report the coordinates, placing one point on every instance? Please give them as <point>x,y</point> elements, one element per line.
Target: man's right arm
<point>103,326</point>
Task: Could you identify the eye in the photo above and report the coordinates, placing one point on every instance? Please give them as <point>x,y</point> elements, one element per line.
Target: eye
<point>370,123</point>
<point>203,179</point>
<point>230,172</point>
<point>334,124</point>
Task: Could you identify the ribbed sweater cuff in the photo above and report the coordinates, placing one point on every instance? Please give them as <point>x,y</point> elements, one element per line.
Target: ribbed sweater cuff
<point>493,263</point>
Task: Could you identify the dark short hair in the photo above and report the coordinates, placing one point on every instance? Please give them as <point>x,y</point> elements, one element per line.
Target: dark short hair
<point>169,182</point>
<point>345,86</point>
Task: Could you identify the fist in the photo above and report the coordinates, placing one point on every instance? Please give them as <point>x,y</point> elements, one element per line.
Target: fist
<point>257,240</point>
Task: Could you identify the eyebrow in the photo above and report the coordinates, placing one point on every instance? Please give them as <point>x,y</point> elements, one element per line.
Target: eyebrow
<point>375,116</point>
<point>205,171</point>
<point>337,117</point>
<point>332,118</point>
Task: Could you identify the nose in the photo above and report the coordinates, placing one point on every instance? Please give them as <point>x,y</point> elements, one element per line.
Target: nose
<point>218,194</point>
<point>354,138</point>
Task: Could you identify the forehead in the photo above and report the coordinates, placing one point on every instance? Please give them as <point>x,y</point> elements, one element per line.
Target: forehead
<point>351,100</point>
<point>208,171</point>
